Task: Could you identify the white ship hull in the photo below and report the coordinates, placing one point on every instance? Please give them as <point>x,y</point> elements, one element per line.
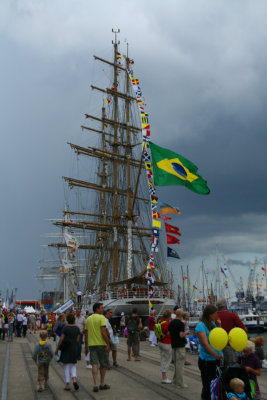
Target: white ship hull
<point>125,300</point>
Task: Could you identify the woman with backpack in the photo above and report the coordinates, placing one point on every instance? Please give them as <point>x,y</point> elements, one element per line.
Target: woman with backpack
<point>165,346</point>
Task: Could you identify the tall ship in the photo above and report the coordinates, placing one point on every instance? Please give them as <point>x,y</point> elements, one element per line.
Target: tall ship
<point>107,247</point>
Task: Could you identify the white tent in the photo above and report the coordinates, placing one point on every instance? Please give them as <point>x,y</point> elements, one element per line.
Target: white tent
<point>29,310</point>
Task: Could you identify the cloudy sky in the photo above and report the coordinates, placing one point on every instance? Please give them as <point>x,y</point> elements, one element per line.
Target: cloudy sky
<point>202,66</point>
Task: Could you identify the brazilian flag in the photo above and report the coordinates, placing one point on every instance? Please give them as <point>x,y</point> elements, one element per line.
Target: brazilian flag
<point>170,168</point>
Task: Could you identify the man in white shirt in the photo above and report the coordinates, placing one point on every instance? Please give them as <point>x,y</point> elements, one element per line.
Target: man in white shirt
<point>113,346</point>
<point>80,323</point>
<point>79,296</point>
<point>19,323</point>
<point>24,325</point>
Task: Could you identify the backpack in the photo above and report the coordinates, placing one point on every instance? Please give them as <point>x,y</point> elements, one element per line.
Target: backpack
<point>158,330</point>
<point>132,325</point>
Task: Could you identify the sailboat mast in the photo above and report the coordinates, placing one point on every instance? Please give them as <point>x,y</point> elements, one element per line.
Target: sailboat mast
<point>203,282</point>
<point>188,289</point>
<point>183,293</point>
<point>115,166</point>
<point>265,279</point>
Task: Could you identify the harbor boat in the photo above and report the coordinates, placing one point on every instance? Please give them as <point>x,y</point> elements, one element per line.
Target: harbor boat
<point>107,248</point>
<point>252,321</point>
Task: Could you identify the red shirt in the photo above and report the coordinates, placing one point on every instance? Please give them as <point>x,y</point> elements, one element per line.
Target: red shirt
<point>151,322</point>
<point>230,320</point>
<point>165,329</point>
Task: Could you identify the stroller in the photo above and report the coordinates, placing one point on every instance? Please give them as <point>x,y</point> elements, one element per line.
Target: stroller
<point>220,387</point>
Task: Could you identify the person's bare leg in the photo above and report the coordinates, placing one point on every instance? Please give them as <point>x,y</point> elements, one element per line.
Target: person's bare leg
<point>129,353</point>
<point>94,373</point>
<point>114,356</point>
<point>102,375</point>
<point>136,352</point>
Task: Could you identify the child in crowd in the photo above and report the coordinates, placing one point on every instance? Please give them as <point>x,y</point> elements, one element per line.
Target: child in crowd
<point>237,386</point>
<point>49,327</point>
<point>42,355</point>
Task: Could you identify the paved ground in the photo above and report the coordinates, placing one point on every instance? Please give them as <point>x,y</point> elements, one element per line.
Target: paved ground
<point>133,380</point>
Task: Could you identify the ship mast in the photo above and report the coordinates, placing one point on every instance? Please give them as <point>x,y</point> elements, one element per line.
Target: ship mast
<point>103,219</point>
<point>119,199</point>
<point>115,166</point>
<point>129,204</point>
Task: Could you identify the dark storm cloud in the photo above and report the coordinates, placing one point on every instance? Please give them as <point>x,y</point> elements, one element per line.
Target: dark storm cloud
<point>202,70</point>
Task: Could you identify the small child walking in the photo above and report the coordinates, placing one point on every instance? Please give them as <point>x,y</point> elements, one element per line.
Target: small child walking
<point>42,355</point>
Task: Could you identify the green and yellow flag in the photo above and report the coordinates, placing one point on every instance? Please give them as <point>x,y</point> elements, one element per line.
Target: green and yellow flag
<point>170,168</point>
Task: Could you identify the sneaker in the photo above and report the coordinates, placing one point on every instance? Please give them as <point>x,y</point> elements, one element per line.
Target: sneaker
<point>152,345</point>
<point>166,381</point>
<point>115,365</point>
<point>89,366</point>
<point>184,386</point>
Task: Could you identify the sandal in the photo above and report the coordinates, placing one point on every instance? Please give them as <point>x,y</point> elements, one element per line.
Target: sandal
<point>68,389</point>
<point>104,387</point>
<point>76,386</point>
<point>95,389</point>
<point>40,389</point>
<point>137,359</point>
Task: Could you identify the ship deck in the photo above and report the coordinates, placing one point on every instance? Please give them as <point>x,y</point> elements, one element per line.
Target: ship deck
<point>132,380</point>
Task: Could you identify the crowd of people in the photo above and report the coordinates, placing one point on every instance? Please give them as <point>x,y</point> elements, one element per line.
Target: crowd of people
<point>99,332</point>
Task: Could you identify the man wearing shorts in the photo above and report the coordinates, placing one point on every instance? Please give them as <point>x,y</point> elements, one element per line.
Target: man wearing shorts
<point>97,342</point>
<point>134,325</point>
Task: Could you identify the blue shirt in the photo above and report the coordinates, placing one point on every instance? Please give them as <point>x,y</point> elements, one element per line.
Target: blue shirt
<point>237,395</point>
<point>203,354</point>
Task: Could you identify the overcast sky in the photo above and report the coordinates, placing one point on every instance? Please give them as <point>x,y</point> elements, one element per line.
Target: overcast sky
<point>202,67</point>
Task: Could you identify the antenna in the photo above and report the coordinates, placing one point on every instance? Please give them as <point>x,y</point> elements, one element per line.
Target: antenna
<point>115,33</point>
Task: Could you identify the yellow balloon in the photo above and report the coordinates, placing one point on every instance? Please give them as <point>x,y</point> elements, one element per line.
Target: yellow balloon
<point>238,339</point>
<point>218,338</point>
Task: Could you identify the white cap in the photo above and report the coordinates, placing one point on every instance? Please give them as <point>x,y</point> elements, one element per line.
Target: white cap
<point>122,313</point>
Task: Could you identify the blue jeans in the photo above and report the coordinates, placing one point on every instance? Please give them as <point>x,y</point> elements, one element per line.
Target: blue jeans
<point>19,327</point>
<point>10,331</point>
<point>59,351</point>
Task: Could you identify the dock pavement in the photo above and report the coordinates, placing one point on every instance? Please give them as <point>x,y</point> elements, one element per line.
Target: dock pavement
<point>132,380</point>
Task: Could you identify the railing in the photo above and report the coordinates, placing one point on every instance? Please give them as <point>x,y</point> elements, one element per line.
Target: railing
<point>137,293</point>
